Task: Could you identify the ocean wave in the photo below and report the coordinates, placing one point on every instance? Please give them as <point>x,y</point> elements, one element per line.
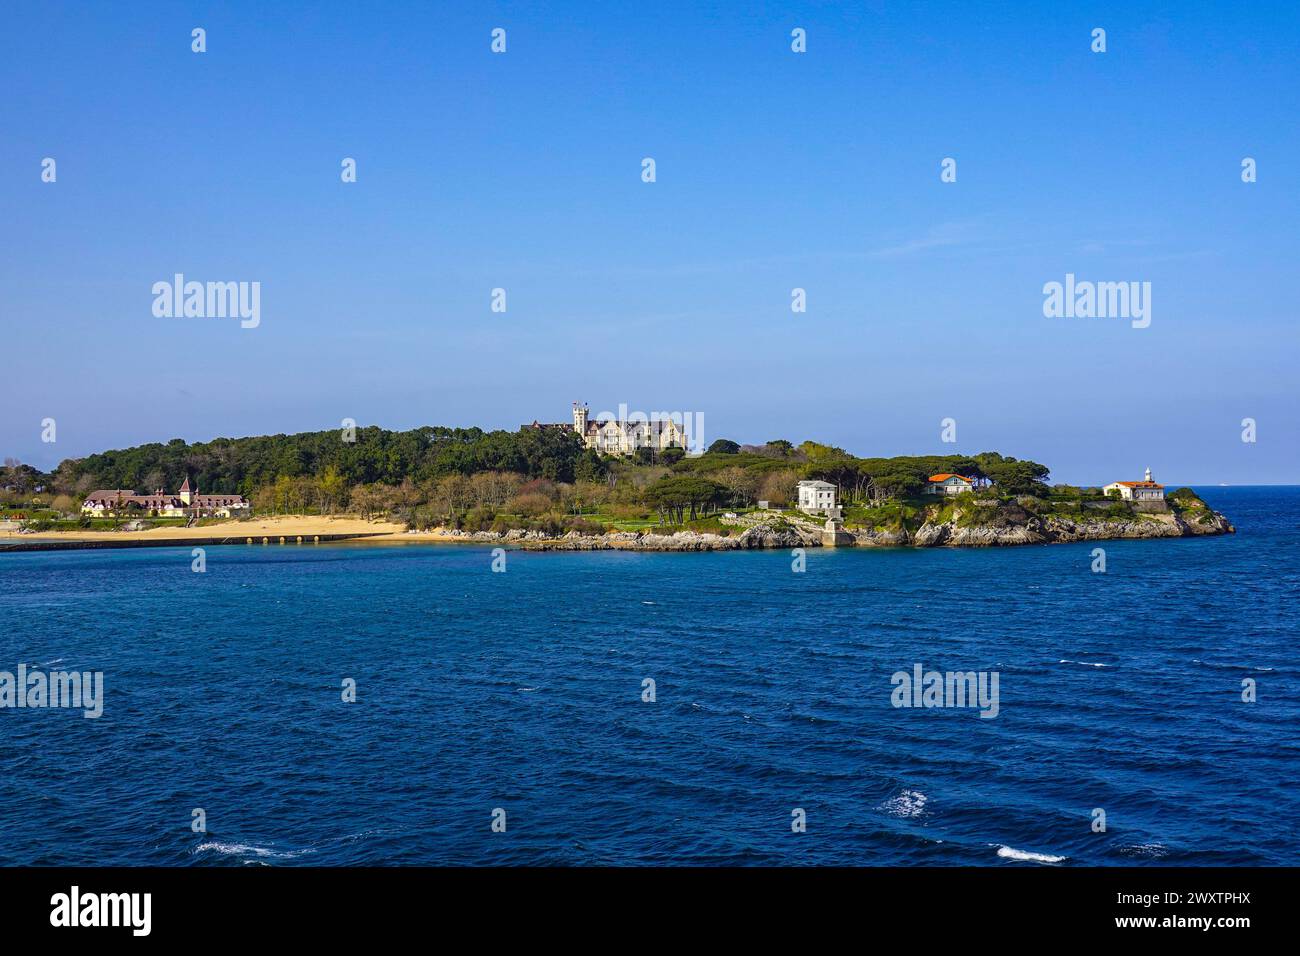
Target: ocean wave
<point>245,849</point>
<point>1152,850</point>
<point>1230,667</point>
<point>1011,853</point>
<point>1083,663</point>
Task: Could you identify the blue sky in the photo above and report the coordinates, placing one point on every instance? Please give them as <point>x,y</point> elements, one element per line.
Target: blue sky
<point>775,170</point>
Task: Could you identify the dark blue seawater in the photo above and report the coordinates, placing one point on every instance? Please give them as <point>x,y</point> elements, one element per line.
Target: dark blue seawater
<point>522,690</point>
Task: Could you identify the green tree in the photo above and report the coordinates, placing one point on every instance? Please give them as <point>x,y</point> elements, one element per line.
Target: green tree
<point>683,497</point>
<point>333,489</point>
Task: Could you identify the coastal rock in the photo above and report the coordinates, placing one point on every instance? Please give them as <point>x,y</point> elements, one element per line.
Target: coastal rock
<point>769,536</point>
<point>763,535</point>
<point>868,538</point>
<point>1056,529</point>
<point>929,535</point>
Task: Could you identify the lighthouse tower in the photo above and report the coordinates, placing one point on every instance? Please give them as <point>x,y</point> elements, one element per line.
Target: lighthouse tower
<point>1148,477</point>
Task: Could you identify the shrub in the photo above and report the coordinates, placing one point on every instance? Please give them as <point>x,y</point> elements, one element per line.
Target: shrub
<point>583,526</point>
<point>529,504</point>
<point>478,519</point>
<point>552,524</point>
<point>423,519</point>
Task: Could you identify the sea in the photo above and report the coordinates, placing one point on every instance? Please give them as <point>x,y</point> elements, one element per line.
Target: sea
<point>345,704</point>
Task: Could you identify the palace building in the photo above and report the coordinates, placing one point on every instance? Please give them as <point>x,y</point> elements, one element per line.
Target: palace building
<point>621,436</point>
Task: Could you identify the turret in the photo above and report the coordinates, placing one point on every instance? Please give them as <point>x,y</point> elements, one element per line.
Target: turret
<point>580,418</point>
<point>186,493</point>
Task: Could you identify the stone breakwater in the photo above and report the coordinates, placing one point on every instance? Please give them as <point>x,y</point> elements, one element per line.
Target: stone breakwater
<point>1035,530</point>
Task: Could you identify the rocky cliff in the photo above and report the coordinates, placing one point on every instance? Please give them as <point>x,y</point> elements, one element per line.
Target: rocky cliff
<point>1035,521</point>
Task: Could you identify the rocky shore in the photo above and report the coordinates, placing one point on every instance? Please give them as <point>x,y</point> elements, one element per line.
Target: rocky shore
<point>1008,523</point>
<point>758,536</point>
<point>782,533</point>
<point>1055,529</point>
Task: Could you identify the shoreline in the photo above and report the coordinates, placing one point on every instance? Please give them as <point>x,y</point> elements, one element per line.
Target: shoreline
<point>762,534</point>
<point>292,529</point>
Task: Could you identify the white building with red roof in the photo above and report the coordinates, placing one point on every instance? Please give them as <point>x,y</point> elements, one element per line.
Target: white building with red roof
<point>945,483</point>
<point>1145,490</point>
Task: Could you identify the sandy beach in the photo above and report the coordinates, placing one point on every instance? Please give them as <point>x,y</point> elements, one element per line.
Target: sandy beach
<point>289,527</point>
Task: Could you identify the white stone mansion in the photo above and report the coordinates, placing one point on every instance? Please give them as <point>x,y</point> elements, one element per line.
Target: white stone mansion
<point>817,497</point>
<point>624,434</point>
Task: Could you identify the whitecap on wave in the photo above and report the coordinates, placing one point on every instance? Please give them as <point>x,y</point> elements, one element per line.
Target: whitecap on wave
<point>245,849</point>
<point>1152,850</point>
<point>1011,853</point>
<point>1230,667</point>
<point>908,803</point>
<point>1083,663</point>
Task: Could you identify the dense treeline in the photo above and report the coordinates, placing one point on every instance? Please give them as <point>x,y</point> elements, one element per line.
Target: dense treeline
<point>534,478</point>
<point>377,455</point>
<point>749,471</point>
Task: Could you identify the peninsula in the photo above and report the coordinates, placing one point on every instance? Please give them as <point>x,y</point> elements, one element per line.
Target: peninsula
<point>610,484</point>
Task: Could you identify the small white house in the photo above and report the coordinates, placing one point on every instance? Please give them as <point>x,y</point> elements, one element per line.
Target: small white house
<point>816,497</point>
<point>948,484</point>
<point>1145,490</point>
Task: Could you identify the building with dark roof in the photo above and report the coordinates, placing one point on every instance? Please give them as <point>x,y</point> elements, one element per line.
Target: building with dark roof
<point>185,503</point>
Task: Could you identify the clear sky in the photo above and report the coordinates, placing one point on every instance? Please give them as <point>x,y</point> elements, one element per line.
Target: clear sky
<point>775,170</point>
